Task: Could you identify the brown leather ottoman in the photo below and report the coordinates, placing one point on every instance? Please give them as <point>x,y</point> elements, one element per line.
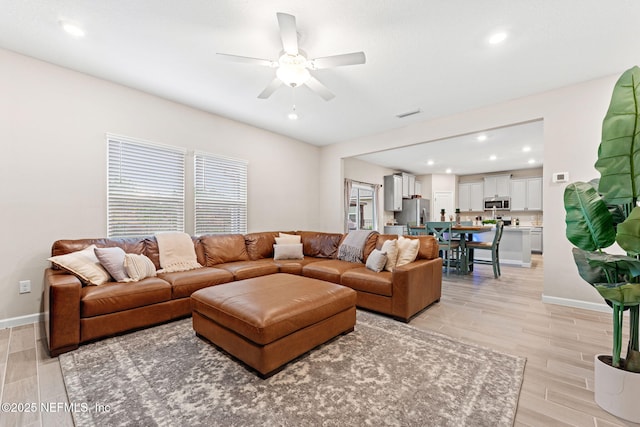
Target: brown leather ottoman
<point>270,320</point>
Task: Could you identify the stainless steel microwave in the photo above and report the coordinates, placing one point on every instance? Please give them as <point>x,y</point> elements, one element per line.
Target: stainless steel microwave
<point>499,203</point>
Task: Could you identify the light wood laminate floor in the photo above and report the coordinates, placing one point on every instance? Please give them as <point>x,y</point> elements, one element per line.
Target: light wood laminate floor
<point>506,314</point>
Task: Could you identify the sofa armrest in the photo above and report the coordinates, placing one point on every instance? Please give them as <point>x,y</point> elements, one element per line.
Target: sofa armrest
<point>415,286</point>
<point>61,311</point>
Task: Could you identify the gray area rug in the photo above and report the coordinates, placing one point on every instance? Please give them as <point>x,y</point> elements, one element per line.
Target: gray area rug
<point>383,373</point>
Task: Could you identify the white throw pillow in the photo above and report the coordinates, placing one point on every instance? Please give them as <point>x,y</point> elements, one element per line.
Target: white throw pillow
<point>139,267</point>
<point>288,251</point>
<point>84,264</point>
<point>287,239</point>
<point>390,247</point>
<point>376,260</point>
<point>407,250</point>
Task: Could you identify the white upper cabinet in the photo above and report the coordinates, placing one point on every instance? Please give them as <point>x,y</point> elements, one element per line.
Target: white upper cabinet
<point>470,197</point>
<point>408,185</point>
<point>393,193</point>
<point>526,194</point>
<point>497,186</point>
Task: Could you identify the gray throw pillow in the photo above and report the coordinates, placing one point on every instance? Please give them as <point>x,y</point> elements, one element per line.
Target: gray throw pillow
<point>112,259</point>
<point>376,260</point>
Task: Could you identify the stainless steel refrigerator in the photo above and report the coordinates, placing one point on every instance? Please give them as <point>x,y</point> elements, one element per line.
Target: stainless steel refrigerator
<point>414,211</point>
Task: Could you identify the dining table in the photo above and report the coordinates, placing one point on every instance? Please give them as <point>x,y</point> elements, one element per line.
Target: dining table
<point>466,233</point>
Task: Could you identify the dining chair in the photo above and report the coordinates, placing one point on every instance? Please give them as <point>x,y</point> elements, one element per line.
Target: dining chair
<point>413,230</point>
<point>449,247</point>
<point>493,246</point>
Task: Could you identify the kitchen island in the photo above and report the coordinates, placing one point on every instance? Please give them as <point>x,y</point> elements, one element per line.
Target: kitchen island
<point>515,246</point>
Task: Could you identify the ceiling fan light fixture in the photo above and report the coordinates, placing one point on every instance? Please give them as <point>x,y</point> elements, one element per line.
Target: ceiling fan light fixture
<point>292,70</point>
<point>293,115</point>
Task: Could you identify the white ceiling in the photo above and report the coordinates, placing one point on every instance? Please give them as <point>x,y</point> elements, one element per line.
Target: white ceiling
<point>426,54</point>
<point>508,148</point>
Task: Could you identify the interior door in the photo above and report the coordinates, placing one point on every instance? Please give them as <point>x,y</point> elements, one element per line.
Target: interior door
<point>442,200</point>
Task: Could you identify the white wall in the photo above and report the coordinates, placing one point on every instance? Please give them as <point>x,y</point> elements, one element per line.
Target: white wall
<point>572,125</point>
<point>53,164</point>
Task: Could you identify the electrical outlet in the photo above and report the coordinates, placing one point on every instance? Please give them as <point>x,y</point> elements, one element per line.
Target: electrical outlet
<point>25,286</point>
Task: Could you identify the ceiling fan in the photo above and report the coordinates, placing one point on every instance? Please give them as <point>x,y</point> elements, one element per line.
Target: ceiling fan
<point>293,68</point>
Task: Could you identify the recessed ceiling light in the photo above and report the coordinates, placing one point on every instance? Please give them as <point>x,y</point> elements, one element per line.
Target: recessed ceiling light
<point>531,161</point>
<point>482,137</point>
<point>293,115</point>
<point>498,38</point>
<point>493,157</point>
<point>448,171</point>
<point>430,162</point>
<point>526,149</point>
<point>72,29</point>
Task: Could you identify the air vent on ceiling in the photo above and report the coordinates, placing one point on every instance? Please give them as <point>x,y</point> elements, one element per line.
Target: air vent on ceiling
<point>407,114</point>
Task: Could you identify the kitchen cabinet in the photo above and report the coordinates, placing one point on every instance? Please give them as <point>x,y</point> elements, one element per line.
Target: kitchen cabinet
<point>418,188</point>
<point>408,185</point>
<point>393,193</point>
<point>470,197</point>
<point>536,239</point>
<point>497,186</point>
<point>526,194</point>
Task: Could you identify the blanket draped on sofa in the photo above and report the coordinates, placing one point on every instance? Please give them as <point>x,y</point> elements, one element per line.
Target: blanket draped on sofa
<point>176,252</point>
<point>352,248</point>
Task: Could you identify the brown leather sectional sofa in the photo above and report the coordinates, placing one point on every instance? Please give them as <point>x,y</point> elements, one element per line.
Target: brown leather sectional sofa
<point>77,314</point>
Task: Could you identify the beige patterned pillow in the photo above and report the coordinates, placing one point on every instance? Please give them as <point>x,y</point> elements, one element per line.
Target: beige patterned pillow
<point>83,264</point>
<point>139,266</point>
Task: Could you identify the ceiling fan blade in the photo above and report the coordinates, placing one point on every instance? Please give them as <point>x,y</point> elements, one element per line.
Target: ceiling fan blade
<point>248,60</point>
<point>339,60</point>
<point>271,87</point>
<point>315,85</point>
<point>288,33</point>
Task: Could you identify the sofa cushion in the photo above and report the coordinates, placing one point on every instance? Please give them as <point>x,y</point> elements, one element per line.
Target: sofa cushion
<point>320,245</point>
<point>294,266</point>
<point>224,248</point>
<point>115,296</point>
<point>328,270</point>
<point>131,245</point>
<point>248,269</point>
<point>184,283</point>
<point>364,280</point>
<point>260,245</point>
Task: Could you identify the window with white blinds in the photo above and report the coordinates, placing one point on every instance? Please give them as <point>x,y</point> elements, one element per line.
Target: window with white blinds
<point>220,194</point>
<point>145,190</point>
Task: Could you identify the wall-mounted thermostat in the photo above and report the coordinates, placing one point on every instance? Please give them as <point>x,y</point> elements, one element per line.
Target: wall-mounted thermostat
<point>561,177</point>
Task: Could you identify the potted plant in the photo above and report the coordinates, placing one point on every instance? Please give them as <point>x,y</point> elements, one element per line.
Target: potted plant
<point>598,214</point>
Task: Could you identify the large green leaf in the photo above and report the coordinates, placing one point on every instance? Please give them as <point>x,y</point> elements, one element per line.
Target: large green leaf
<point>622,293</point>
<point>590,274</point>
<point>600,267</point>
<point>589,222</point>
<point>628,236</point>
<point>619,151</point>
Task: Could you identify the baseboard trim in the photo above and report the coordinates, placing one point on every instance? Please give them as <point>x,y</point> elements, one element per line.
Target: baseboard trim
<point>568,302</point>
<point>21,320</point>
